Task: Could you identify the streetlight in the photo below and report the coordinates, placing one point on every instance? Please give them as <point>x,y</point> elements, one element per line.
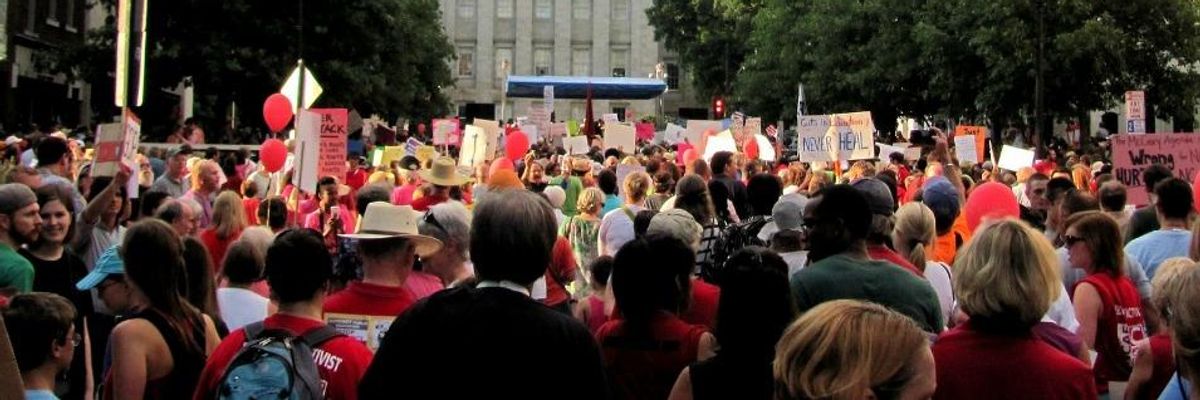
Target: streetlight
<point>503,89</point>
<point>660,72</point>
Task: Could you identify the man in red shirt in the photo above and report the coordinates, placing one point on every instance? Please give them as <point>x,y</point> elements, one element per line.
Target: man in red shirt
<point>388,244</point>
<point>298,269</point>
<point>356,176</point>
<point>443,174</point>
<point>880,201</point>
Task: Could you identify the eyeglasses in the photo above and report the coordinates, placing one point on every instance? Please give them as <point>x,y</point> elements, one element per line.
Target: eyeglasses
<point>76,339</point>
<point>432,220</point>
<point>1069,240</point>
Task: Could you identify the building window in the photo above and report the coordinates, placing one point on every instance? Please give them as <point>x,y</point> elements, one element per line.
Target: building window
<point>618,72</point>
<point>69,21</point>
<point>673,76</point>
<point>466,8</point>
<point>619,60</point>
<point>620,10</point>
<point>582,9</point>
<point>541,61</point>
<point>31,18</point>
<point>502,55</point>
<point>466,63</point>
<point>620,111</point>
<point>581,62</point>
<point>543,9</point>
<point>504,9</point>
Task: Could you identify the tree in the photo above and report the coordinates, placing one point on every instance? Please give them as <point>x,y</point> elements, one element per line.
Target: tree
<point>709,36</point>
<point>389,57</point>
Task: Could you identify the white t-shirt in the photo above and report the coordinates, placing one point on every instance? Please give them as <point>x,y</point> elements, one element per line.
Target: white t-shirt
<point>795,261</point>
<point>616,229</point>
<point>940,277</point>
<point>241,307</point>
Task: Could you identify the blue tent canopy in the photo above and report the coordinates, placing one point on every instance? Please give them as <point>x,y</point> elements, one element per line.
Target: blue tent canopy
<point>575,87</point>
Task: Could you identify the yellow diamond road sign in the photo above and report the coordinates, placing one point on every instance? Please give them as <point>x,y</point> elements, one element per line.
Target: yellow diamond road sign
<point>291,88</point>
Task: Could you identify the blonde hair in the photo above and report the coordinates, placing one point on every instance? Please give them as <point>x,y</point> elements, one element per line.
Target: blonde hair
<point>591,200</point>
<point>228,215</point>
<point>1167,272</point>
<point>1007,276</point>
<point>843,348</point>
<point>382,176</point>
<point>914,233</point>
<point>198,171</point>
<point>1183,316</point>
<point>636,186</point>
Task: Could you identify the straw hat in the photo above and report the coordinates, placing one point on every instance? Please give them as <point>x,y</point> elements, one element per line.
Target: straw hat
<point>443,172</point>
<point>383,221</point>
<point>581,165</point>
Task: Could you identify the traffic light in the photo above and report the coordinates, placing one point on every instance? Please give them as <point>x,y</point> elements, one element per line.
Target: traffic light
<point>718,108</point>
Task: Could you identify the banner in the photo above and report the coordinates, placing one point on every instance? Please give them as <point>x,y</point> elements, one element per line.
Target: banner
<point>812,144</point>
<point>1015,158</point>
<point>620,137</point>
<point>1179,152</point>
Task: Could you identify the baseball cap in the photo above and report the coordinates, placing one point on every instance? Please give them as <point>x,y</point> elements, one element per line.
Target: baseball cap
<point>15,196</point>
<point>941,198</point>
<point>676,223</point>
<point>786,215</point>
<point>184,149</point>
<point>879,197</point>
<point>109,263</point>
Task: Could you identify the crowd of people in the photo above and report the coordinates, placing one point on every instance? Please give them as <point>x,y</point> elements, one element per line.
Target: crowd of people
<point>641,275</point>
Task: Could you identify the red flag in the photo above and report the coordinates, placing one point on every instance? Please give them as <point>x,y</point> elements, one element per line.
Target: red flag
<point>589,126</point>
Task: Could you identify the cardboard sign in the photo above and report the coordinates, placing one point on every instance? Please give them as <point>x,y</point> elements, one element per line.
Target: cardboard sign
<point>425,153</point>
<point>572,127</point>
<point>1179,152</point>
<point>766,150</point>
<point>576,145</point>
<point>674,134</point>
<point>443,129</point>
<point>538,116</point>
<point>979,132</point>
<point>621,137</point>
<point>610,118</point>
<point>558,129</point>
<point>886,150</point>
<point>753,126</point>
<point>623,171</point>
<point>332,130</point>
<point>491,130</point>
<point>720,142</point>
<point>964,149</point>
<point>645,130</point>
<point>694,135</point>
<point>307,150</point>
<point>855,135</point>
<point>474,147</point>
<point>117,144</point>
<point>812,142</point>
<point>531,132</point>
<point>1015,158</point>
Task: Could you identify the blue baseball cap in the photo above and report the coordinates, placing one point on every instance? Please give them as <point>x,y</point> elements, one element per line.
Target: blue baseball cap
<point>109,263</point>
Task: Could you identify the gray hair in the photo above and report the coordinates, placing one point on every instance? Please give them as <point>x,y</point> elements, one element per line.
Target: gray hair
<point>170,211</point>
<point>512,236</point>
<point>455,226</point>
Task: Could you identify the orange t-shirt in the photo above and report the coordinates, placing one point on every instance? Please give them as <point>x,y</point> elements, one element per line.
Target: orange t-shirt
<point>946,246</point>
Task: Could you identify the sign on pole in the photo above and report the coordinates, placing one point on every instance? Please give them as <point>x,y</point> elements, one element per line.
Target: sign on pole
<point>1135,111</point>
<point>548,98</point>
<point>131,53</point>
<point>291,88</point>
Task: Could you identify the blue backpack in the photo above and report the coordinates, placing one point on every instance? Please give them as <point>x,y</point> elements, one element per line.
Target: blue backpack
<point>275,364</point>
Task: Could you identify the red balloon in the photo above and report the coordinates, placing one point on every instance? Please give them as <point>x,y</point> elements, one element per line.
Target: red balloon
<point>501,164</point>
<point>272,155</point>
<point>277,111</point>
<point>515,145</point>
<point>751,149</point>
<point>991,200</point>
<point>681,150</point>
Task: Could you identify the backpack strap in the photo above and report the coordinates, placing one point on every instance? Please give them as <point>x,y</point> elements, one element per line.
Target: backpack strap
<point>253,331</point>
<point>629,213</point>
<point>316,336</point>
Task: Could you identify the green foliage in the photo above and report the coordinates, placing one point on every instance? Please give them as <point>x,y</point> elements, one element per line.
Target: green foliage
<point>387,57</point>
<point>709,36</point>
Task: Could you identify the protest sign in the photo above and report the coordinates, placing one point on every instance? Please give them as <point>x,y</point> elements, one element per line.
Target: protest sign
<point>812,142</point>
<point>855,135</point>
<point>367,329</point>
<point>964,149</point>
<point>572,127</point>
<point>620,137</point>
<point>624,171</point>
<point>576,145</point>
<point>674,134</point>
<point>694,134</point>
<point>538,116</point>
<point>766,150</point>
<point>886,150</point>
<point>1134,153</point>
<point>443,129</point>
<point>548,98</point>
<point>911,153</point>
<point>645,130</point>
<point>307,150</point>
<point>491,130</point>
<point>332,132</point>
<point>979,132</point>
<point>753,126</point>
<point>1015,158</point>
<point>720,142</point>
<point>531,132</point>
<point>385,156</point>
<point>610,118</point>
<point>474,147</point>
<point>558,129</point>
<point>425,153</point>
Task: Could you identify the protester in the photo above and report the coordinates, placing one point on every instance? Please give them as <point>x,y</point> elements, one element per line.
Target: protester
<point>616,228</point>
<point>1154,359</point>
<point>1006,281</point>
<point>942,198</point>
<point>1113,198</point>
<point>847,349</point>
<point>200,282</point>
<point>607,181</point>
<point>449,223</point>
<point>273,212</point>
<point>1034,213</point>
<point>56,167</point>
<point>1184,320</point>
<point>442,175</point>
<point>238,303</point>
<point>763,192</point>
<point>206,181</point>
<point>691,195</point>
<point>596,308</point>
<point>402,195</point>
<point>651,285</point>
<point>841,268</point>
<point>20,224</point>
<point>250,202</point>
<point>789,239</point>
<point>512,235</point>
<point>389,244</point>
<point>883,220</point>
<point>180,215</point>
<point>158,352</point>
<point>329,219</point>
<point>756,307</point>
<point>228,221</point>
<point>1107,305</point>
<point>149,202</point>
<point>1145,219</point>
<point>1173,238</point>
<point>45,339</point>
<point>664,188</point>
<point>557,197</point>
<point>913,237</point>
<point>298,268</point>
<point>723,170</point>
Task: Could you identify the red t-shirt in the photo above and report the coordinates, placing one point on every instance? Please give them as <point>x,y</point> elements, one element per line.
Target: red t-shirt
<point>217,247</point>
<point>976,365</point>
<point>703,308</point>
<point>646,368</point>
<point>365,311</point>
<point>883,253</point>
<point>562,268</point>
<point>251,207</point>
<point>1119,327</point>
<point>356,178</point>
<point>423,203</point>
<point>341,361</point>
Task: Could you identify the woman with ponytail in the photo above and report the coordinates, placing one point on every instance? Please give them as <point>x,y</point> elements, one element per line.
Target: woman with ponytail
<point>159,350</point>
<point>913,237</point>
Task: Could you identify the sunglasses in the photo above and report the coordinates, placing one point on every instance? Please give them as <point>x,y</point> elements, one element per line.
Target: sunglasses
<point>1071,240</point>
<point>432,221</point>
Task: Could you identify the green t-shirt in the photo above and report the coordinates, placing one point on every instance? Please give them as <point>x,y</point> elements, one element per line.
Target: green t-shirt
<point>572,187</point>
<point>15,271</point>
<point>841,277</point>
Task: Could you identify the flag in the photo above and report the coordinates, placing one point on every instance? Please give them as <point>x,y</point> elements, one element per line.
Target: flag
<point>799,100</point>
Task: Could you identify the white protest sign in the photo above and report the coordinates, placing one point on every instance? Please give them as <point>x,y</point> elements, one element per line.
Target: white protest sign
<point>812,142</point>
<point>307,150</point>
<point>911,153</point>
<point>531,132</point>
<point>1015,158</point>
<point>474,146</point>
<point>548,98</point>
<point>442,128</point>
<point>766,150</point>
<point>673,134</point>
<point>964,149</point>
<point>886,150</point>
<point>576,145</point>
<point>624,171</point>
<point>753,126</point>
<point>720,142</point>
<point>696,128</point>
<point>491,130</point>
<point>621,137</point>
<point>610,118</point>
<point>855,135</point>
